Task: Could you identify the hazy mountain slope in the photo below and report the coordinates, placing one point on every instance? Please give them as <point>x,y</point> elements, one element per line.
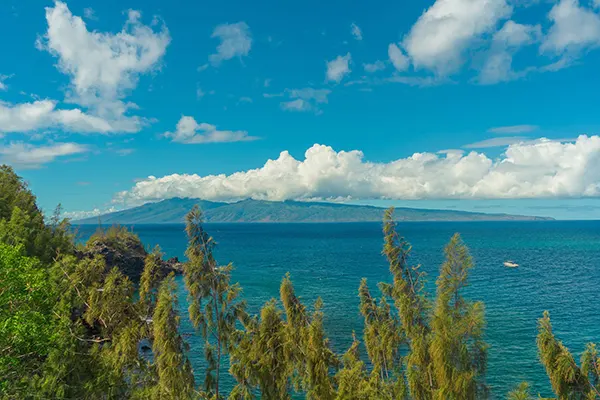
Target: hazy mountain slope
<point>162,212</point>
<point>174,210</point>
<point>292,211</point>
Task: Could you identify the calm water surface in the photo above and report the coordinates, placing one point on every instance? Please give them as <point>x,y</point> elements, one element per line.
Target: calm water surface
<point>559,271</point>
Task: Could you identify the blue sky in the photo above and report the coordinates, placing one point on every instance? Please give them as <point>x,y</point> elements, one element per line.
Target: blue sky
<point>114,103</point>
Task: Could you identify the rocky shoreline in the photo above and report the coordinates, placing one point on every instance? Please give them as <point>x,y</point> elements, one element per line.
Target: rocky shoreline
<point>128,255</point>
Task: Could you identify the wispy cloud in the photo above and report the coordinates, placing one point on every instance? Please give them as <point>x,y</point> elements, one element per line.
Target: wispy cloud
<point>305,99</point>
<point>271,95</point>
<point>28,156</point>
<point>297,105</point>
<point>356,32</point>
<point>411,80</point>
<point>236,41</point>
<point>510,140</point>
<point>512,129</point>
<point>3,79</point>
<point>399,60</point>
<point>505,43</point>
<point>450,151</point>
<point>124,152</point>
<point>417,80</point>
<point>44,114</point>
<point>90,14</point>
<point>96,212</point>
<point>496,142</point>
<point>245,99</point>
<point>374,67</point>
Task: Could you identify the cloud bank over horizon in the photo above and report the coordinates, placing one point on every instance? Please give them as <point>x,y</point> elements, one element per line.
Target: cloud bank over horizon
<point>533,169</point>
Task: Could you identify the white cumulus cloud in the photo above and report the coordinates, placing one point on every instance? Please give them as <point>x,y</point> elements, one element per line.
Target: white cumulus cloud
<point>338,68</point>
<point>191,132</point>
<point>574,28</point>
<point>103,67</point>
<point>542,168</point>
<point>440,37</point>
<point>305,99</point>
<point>236,41</point>
<point>28,156</point>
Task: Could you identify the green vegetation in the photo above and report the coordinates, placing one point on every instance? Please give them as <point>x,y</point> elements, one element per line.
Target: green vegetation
<point>73,325</point>
<point>569,381</point>
<point>213,306</point>
<point>26,298</point>
<point>116,238</point>
<point>22,223</point>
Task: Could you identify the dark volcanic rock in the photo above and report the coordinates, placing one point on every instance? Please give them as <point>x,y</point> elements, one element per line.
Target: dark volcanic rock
<point>129,260</point>
<point>126,253</point>
<point>173,264</point>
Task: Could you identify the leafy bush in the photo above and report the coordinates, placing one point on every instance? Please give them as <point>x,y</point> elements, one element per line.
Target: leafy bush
<point>26,322</point>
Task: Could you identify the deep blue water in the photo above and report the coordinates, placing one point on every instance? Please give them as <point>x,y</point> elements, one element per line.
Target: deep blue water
<point>559,271</point>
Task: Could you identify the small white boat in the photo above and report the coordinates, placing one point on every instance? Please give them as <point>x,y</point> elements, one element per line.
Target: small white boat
<point>510,264</point>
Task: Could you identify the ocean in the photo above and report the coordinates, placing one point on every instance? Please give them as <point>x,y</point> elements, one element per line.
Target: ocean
<point>559,271</point>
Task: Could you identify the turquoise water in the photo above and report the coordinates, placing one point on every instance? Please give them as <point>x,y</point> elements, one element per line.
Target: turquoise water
<point>559,271</point>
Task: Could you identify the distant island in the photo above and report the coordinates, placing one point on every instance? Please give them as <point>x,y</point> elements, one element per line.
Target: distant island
<point>173,211</point>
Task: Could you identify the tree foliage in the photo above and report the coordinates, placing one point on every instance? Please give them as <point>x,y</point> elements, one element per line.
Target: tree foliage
<point>175,379</point>
<point>569,380</point>
<point>424,350</point>
<point>214,306</point>
<point>22,222</point>
<point>26,301</point>
<point>149,281</point>
<point>259,361</point>
<point>74,327</point>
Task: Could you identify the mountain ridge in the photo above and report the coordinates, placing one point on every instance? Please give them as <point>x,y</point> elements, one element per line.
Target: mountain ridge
<point>172,211</point>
